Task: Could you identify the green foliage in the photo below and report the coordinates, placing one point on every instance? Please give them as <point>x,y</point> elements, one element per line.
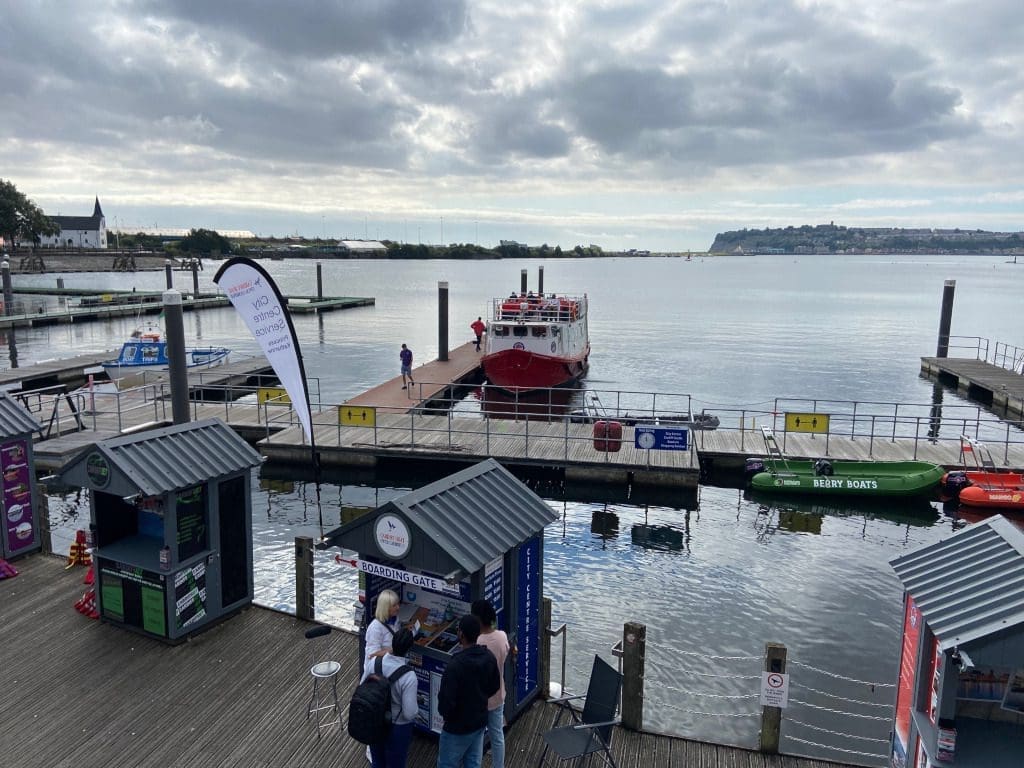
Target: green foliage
<point>204,242</point>
<point>20,218</point>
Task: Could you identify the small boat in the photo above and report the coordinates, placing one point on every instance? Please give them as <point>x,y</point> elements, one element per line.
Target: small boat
<point>980,483</point>
<point>828,477</point>
<point>536,341</point>
<point>146,350</point>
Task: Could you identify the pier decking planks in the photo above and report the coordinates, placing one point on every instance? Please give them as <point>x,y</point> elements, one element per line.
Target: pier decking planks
<point>83,694</point>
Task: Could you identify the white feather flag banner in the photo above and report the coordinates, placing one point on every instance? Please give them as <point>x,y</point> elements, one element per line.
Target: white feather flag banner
<point>256,298</point>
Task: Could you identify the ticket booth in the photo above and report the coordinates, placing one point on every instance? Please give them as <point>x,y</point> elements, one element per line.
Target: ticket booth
<point>960,695</point>
<point>171,522</point>
<point>20,495</point>
<point>478,533</point>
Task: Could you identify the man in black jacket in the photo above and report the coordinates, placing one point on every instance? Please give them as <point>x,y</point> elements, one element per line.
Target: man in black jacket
<point>469,680</point>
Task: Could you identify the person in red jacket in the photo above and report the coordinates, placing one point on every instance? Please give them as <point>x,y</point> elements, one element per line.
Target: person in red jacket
<point>478,328</point>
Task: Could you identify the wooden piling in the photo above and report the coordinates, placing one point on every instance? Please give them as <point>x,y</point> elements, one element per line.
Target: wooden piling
<point>304,603</point>
<point>946,318</point>
<point>771,717</point>
<point>634,654</point>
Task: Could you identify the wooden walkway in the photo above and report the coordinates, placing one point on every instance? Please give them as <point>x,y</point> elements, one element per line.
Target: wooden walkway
<point>979,380</point>
<point>83,694</point>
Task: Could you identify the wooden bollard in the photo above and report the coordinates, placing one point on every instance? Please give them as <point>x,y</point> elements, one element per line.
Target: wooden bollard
<point>304,604</point>
<point>771,717</point>
<point>634,654</point>
<point>544,671</point>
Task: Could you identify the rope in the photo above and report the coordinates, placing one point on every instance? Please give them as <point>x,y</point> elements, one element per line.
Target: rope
<point>835,733</point>
<point>839,711</point>
<point>711,695</point>
<point>711,714</point>
<point>837,749</point>
<point>841,677</point>
<point>843,698</point>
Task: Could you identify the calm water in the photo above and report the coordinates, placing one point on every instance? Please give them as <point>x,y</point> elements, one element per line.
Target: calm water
<point>716,581</point>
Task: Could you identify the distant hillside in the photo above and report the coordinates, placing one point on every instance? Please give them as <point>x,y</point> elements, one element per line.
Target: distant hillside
<point>828,238</point>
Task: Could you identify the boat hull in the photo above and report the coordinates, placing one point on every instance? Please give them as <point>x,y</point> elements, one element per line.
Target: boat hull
<point>520,369</point>
<point>153,357</point>
<point>850,478</point>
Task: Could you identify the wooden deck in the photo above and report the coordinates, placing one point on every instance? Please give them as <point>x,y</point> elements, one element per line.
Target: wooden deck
<point>997,387</point>
<point>83,694</point>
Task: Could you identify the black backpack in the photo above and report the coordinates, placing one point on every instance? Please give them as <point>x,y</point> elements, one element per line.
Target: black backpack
<point>369,711</point>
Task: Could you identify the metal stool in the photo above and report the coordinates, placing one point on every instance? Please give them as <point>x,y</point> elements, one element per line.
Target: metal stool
<point>323,700</point>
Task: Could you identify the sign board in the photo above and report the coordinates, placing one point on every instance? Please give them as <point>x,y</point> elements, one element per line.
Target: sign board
<point>272,395</point>
<point>661,438</point>
<point>774,689</point>
<point>807,422</point>
<point>357,415</point>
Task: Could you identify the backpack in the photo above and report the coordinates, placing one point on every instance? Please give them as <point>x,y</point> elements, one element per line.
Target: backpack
<point>369,710</point>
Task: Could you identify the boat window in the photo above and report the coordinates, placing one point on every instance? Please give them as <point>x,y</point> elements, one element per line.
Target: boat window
<point>520,330</point>
<point>539,331</point>
<point>499,330</point>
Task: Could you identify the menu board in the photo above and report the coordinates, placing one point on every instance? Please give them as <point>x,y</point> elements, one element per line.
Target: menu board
<point>19,520</point>
<point>190,508</point>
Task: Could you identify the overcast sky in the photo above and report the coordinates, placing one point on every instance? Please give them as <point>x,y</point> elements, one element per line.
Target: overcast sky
<point>634,124</point>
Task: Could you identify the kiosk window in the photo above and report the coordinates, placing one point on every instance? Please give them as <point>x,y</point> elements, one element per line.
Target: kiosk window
<point>192,525</point>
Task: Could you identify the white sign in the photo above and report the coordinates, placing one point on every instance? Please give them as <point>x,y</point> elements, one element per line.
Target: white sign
<point>392,535</point>
<point>774,689</point>
<point>256,298</point>
<point>406,577</point>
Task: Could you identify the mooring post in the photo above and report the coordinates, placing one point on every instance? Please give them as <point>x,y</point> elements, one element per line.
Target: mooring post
<point>544,668</point>
<point>319,281</point>
<point>540,281</point>
<point>195,279</point>
<point>304,606</point>
<point>522,281</point>
<point>177,364</point>
<point>60,283</point>
<point>5,267</point>
<point>442,321</point>
<point>167,273</point>
<point>946,319</point>
<point>634,654</point>
<point>771,717</point>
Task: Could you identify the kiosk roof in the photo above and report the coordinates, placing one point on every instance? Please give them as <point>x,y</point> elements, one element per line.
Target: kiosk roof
<point>14,419</point>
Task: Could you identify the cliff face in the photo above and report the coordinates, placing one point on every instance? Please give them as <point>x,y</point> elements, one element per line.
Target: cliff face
<point>829,238</point>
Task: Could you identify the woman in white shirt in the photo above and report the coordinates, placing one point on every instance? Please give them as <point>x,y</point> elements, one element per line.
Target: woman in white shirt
<point>384,625</point>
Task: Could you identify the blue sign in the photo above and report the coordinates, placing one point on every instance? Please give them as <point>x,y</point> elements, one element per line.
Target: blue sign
<point>528,615</point>
<point>662,438</point>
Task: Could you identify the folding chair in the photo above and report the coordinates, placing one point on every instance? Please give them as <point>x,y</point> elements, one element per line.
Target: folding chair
<point>590,731</point>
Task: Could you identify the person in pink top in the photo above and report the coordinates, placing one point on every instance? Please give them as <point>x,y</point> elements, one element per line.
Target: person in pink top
<point>496,642</point>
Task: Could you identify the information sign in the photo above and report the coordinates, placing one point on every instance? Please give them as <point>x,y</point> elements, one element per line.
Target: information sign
<point>661,438</point>
<point>774,689</point>
<point>357,415</point>
<point>807,422</point>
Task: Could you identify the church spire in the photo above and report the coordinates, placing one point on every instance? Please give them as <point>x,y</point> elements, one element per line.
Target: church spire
<point>97,212</point>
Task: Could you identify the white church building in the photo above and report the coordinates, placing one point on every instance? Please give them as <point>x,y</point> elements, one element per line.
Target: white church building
<point>79,231</point>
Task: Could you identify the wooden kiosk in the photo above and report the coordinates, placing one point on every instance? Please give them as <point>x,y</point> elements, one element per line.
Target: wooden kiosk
<point>20,495</point>
<point>960,697</point>
<point>171,523</point>
<point>478,533</point>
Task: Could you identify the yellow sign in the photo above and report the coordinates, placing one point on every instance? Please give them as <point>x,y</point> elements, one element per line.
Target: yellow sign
<point>807,422</point>
<point>357,415</point>
<point>273,395</point>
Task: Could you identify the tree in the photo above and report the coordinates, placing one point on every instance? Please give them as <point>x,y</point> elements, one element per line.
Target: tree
<point>205,241</point>
<point>20,218</point>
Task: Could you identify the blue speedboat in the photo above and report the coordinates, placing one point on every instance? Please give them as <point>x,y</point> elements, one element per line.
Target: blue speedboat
<point>146,350</point>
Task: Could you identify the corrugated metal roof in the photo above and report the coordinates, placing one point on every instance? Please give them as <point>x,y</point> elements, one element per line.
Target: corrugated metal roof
<point>176,457</point>
<point>971,585</point>
<point>14,418</point>
<point>473,515</point>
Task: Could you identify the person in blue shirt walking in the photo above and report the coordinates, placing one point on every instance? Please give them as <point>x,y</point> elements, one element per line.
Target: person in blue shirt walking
<point>406,357</point>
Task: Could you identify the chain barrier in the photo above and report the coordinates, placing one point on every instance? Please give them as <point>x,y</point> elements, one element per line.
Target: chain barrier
<point>794,721</point>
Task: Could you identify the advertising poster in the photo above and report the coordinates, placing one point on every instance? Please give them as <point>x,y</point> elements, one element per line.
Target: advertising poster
<point>527,660</point>
<point>190,595</point>
<point>19,522</point>
<point>494,587</point>
<point>905,691</point>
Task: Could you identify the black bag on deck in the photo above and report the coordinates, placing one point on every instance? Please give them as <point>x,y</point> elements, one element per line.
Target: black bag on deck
<point>369,711</point>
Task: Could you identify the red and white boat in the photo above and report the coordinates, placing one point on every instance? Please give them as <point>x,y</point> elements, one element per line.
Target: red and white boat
<point>980,484</point>
<point>536,341</point>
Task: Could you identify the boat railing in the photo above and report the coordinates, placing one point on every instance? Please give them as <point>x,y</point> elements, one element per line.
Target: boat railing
<point>536,308</point>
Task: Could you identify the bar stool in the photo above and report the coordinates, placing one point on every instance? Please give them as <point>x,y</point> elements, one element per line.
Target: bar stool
<point>324,698</point>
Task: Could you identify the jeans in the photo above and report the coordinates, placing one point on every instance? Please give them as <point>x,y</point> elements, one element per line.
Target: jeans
<point>496,733</point>
<point>393,752</point>
<point>460,749</point>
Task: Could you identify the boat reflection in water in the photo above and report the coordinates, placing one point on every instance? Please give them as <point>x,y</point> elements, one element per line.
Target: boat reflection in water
<point>807,515</point>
